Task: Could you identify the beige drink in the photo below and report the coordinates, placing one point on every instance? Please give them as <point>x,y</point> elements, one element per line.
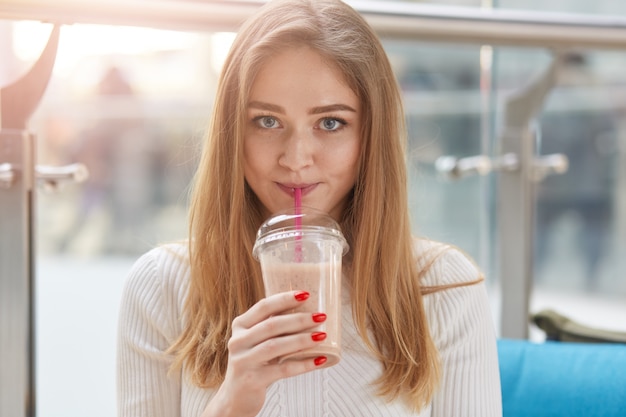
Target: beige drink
<point>323,282</point>
<point>302,250</point>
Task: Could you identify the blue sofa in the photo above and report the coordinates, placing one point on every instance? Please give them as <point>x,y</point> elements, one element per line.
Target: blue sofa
<point>562,379</point>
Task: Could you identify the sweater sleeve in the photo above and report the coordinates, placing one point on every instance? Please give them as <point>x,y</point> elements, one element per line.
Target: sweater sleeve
<point>146,328</point>
<point>463,331</point>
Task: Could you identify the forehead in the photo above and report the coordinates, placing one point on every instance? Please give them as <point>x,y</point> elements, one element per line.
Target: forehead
<point>300,70</point>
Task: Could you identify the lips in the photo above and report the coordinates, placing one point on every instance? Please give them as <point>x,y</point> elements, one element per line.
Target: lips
<point>289,188</point>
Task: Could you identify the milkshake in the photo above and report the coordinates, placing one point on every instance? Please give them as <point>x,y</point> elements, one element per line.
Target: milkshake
<point>323,282</point>
<point>303,250</point>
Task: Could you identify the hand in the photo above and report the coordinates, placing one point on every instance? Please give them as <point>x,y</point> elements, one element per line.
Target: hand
<point>259,337</point>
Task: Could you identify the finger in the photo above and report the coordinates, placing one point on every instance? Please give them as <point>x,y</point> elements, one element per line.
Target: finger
<point>291,368</point>
<point>274,326</point>
<point>270,350</point>
<point>270,306</point>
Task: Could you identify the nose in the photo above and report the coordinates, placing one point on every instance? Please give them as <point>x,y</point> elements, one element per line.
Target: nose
<point>297,152</point>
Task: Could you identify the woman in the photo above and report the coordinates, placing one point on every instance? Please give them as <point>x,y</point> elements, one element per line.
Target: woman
<point>307,99</point>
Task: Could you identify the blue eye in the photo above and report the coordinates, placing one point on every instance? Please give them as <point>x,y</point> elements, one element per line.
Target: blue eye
<point>332,124</point>
<point>266,122</point>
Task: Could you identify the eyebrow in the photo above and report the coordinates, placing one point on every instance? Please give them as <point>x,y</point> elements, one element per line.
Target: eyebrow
<point>331,108</point>
<point>266,106</point>
<point>260,105</point>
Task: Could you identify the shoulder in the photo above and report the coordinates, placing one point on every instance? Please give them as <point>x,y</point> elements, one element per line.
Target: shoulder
<point>162,262</point>
<point>455,297</point>
<point>157,284</point>
<point>443,264</point>
<point>164,266</point>
<point>456,302</point>
<point>461,326</point>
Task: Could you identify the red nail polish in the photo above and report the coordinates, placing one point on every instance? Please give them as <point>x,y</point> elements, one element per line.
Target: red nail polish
<point>301,295</point>
<point>320,360</point>
<point>318,336</point>
<point>319,317</point>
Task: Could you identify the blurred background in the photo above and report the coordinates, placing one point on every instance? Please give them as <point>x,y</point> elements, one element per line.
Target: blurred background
<point>132,104</point>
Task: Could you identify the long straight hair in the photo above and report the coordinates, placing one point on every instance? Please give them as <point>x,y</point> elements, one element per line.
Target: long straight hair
<point>224,214</point>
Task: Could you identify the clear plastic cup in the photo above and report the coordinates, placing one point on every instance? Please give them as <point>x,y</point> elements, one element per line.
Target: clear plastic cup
<point>302,249</point>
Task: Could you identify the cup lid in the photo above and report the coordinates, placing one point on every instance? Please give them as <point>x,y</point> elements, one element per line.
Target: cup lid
<point>293,222</point>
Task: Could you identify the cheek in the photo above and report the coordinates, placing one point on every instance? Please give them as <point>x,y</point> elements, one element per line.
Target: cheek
<point>257,162</point>
<point>248,165</point>
<point>351,161</point>
<point>250,154</point>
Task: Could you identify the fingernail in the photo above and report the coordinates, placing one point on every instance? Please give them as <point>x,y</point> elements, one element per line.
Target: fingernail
<point>318,336</point>
<point>301,295</point>
<point>320,360</point>
<point>319,317</point>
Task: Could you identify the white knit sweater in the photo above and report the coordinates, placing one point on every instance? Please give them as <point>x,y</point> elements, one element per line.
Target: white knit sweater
<point>460,323</point>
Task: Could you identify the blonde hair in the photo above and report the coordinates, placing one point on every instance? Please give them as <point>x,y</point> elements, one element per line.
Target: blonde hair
<point>225,213</point>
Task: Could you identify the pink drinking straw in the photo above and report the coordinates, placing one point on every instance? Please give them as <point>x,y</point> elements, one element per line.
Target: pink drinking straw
<point>297,198</point>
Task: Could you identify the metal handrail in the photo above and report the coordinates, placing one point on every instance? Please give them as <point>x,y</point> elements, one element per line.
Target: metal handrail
<point>396,19</point>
